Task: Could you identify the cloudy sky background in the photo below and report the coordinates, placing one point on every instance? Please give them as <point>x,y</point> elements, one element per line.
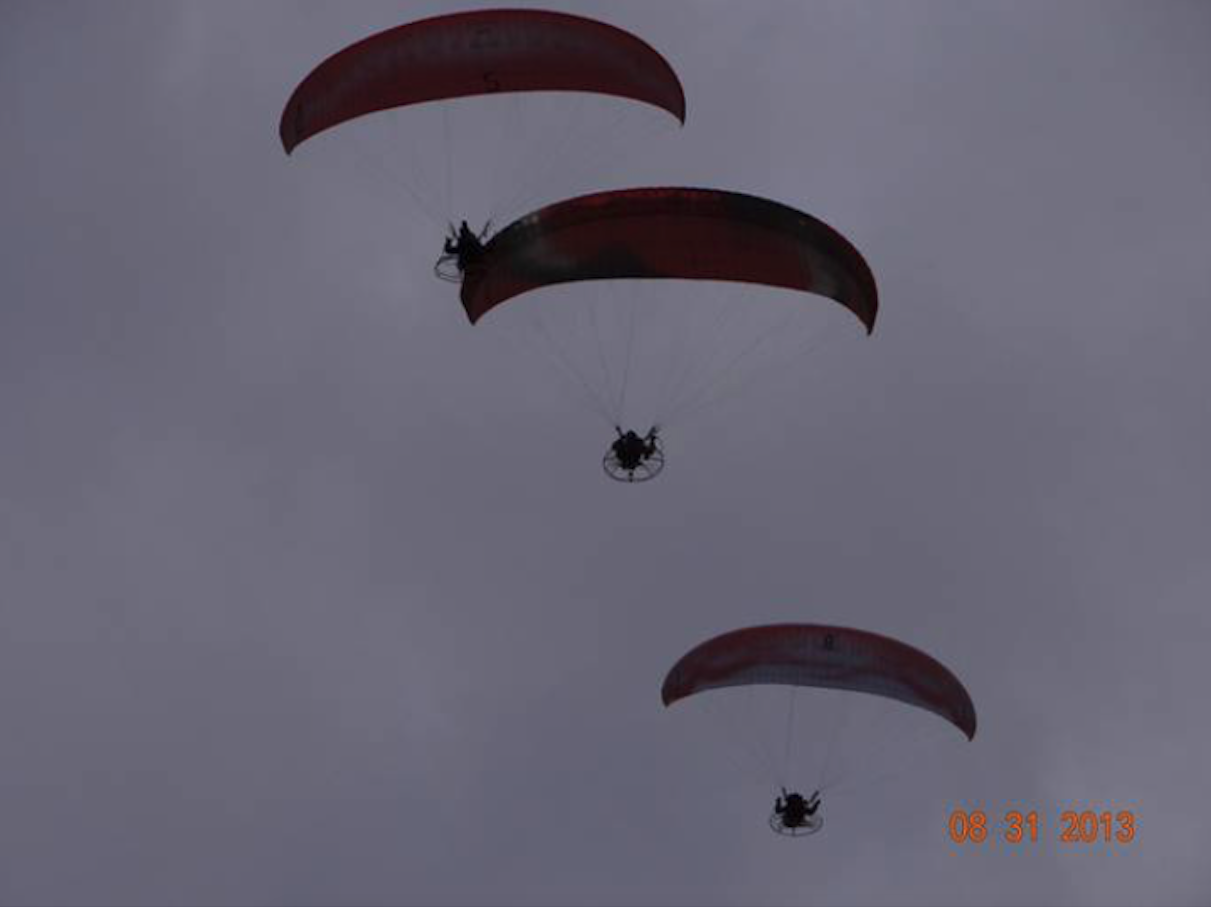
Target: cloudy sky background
<point>310,595</point>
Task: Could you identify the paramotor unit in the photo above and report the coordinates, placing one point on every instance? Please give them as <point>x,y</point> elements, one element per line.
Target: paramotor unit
<point>796,816</point>
<point>807,827</point>
<point>632,458</point>
<point>462,252</point>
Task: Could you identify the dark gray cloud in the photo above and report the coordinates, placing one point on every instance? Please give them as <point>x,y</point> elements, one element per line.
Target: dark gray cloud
<point>312,594</point>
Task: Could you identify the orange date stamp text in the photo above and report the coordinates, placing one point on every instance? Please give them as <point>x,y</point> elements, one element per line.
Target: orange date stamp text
<point>978,827</point>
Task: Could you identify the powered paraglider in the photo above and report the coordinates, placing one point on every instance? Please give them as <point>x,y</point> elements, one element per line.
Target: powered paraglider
<point>821,657</point>
<point>481,98</point>
<point>626,241</point>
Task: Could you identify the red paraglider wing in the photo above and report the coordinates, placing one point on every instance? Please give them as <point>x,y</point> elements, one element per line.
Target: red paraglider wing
<point>702,234</point>
<point>810,655</point>
<point>477,53</point>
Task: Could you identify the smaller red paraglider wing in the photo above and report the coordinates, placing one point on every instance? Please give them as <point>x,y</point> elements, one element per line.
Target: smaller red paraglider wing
<point>811,655</point>
<point>676,233</point>
<point>476,53</point>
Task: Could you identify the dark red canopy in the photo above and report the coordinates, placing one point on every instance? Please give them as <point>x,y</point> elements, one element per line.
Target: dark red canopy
<point>690,234</point>
<point>477,53</point>
<point>812,655</point>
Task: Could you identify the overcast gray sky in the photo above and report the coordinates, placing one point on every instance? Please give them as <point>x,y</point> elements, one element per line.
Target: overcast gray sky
<point>309,593</point>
